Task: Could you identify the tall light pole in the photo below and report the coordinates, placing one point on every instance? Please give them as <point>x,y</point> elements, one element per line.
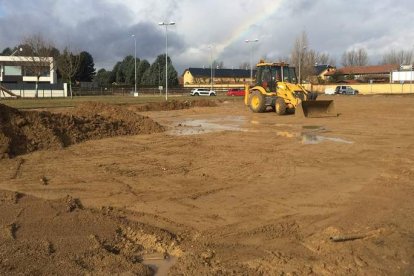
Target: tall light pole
<point>135,57</point>
<point>251,54</point>
<point>166,55</point>
<point>300,61</point>
<point>17,50</point>
<point>411,64</point>
<point>211,65</point>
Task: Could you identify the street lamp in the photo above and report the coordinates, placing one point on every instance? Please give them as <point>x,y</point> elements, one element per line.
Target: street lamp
<point>135,42</point>
<point>17,50</point>
<point>211,66</point>
<point>251,54</point>
<point>166,55</point>
<point>300,60</point>
<point>411,75</point>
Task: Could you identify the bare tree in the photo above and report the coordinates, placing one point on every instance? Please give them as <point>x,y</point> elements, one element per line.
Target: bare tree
<point>244,65</point>
<point>39,55</point>
<point>68,65</point>
<point>298,54</point>
<point>325,59</point>
<point>354,57</point>
<point>397,57</point>
<point>217,64</point>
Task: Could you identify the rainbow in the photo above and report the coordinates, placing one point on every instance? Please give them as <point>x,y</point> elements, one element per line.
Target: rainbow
<point>242,31</point>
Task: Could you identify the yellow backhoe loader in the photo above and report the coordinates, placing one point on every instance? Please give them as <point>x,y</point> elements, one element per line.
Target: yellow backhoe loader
<point>277,87</point>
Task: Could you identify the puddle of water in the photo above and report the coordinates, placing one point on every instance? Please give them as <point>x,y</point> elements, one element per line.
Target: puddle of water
<point>284,125</point>
<point>192,127</point>
<point>310,135</point>
<point>287,134</point>
<point>312,139</point>
<point>313,127</point>
<point>160,264</point>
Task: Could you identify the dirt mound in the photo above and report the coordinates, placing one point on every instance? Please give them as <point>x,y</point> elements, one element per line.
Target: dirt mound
<point>27,131</point>
<point>174,105</point>
<point>45,237</point>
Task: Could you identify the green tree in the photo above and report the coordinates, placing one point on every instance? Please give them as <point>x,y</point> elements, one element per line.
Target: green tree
<point>86,70</point>
<point>68,64</point>
<point>336,77</point>
<point>118,74</point>
<point>104,78</point>
<point>128,70</point>
<point>7,52</point>
<point>142,67</point>
<point>152,75</point>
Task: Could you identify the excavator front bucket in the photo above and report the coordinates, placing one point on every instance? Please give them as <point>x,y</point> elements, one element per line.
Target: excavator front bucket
<point>316,109</point>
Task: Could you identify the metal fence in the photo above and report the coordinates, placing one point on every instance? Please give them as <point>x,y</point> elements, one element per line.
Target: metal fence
<point>28,90</point>
<point>125,91</point>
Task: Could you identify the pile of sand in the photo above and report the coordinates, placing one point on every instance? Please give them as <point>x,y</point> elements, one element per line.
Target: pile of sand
<point>174,105</point>
<point>27,131</point>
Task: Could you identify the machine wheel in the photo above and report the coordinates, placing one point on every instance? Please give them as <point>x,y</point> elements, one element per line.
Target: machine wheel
<point>280,106</point>
<point>257,102</point>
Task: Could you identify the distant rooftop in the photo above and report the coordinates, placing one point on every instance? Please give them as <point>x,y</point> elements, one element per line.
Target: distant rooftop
<point>365,70</point>
<point>220,73</point>
<point>318,69</point>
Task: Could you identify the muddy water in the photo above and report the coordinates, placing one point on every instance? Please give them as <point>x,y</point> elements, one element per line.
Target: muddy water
<point>200,126</point>
<point>160,264</point>
<point>311,139</point>
<point>309,135</point>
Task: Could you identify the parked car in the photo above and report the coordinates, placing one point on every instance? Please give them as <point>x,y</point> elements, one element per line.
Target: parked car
<point>330,91</point>
<point>235,92</point>
<point>202,92</point>
<point>346,90</point>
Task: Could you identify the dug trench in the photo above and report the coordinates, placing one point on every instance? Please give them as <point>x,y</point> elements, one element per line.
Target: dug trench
<point>241,200</point>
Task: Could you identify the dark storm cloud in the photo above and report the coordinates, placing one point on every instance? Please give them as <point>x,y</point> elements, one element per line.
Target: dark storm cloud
<point>101,28</point>
<point>104,27</point>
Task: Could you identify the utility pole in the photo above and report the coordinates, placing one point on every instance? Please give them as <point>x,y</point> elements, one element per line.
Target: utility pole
<point>251,56</point>
<point>166,55</point>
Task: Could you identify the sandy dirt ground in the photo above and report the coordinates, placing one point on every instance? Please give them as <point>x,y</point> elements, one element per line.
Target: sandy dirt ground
<point>214,190</point>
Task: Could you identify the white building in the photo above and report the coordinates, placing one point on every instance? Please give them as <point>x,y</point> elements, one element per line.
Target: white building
<point>405,74</point>
<point>18,75</point>
<point>19,69</point>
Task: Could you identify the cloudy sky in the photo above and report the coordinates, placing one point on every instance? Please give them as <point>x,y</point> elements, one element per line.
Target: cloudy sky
<point>213,27</point>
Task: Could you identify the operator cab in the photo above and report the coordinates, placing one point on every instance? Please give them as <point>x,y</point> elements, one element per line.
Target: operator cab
<point>268,74</point>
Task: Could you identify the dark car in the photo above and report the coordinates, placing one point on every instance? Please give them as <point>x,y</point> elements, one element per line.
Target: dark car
<point>235,92</point>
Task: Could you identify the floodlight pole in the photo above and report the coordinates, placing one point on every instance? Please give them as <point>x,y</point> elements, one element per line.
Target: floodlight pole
<point>211,66</point>
<point>411,70</point>
<point>300,61</point>
<point>251,54</point>
<point>166,55</point>
<point>17,50</point>
<point>135,43</point>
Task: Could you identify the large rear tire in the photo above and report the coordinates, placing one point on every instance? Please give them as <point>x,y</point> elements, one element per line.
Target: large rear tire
<point>280,106</point>
<point>257,102</point>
